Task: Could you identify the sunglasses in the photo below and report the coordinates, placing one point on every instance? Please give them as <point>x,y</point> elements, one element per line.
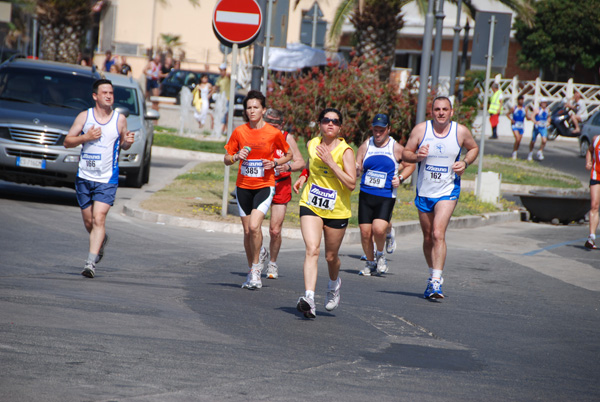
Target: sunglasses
<point>273,121</point>
<point>327,120</point>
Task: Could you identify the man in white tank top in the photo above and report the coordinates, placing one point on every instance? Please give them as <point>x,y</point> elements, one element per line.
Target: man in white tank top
<point>100,131</point>
<point>436,146</point>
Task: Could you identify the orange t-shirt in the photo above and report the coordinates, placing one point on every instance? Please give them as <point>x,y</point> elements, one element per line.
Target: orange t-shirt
<point>263,143</point>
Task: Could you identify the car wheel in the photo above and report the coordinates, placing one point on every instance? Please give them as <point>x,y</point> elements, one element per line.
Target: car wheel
<point>552,133</point>
<point>146,175</point>
<point>584,144</point>
<point>135,177</point>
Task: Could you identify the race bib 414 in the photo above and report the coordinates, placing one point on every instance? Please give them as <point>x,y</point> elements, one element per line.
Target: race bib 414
<point>323,198</point>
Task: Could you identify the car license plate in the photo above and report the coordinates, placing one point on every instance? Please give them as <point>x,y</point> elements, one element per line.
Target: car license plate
<point>31,163</point>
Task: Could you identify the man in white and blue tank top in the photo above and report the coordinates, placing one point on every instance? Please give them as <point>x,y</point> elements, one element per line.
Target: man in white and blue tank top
<point>436,146</point>
<point>517,118</point>
<point>379,160</point>
<point>101,132</point>
<point>541,119</point>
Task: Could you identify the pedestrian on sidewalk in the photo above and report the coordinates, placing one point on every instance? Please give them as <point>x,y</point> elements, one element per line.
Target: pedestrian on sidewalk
<point>101,132</point>
<point>201,100</point>
<point>517,118</point>
<point>379,162</point>
<point>436,145</point>
<point>541,119</point>
<point>592,163</point>
<point>495,109</point>
<point>254,143</point>
<point>330,177</point>
<point>283,193</point>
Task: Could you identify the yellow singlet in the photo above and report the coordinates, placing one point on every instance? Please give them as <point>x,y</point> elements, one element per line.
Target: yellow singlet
<point>323,193</point>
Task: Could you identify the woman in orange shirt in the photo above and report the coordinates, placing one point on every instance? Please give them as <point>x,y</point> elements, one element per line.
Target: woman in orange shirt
<point>254,144</point>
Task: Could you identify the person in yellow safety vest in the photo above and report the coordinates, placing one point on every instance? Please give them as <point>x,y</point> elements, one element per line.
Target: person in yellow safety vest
<point>494,109</point>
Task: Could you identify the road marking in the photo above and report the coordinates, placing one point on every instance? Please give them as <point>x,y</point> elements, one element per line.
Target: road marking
<point>567,270</point>
<point>566,243</point>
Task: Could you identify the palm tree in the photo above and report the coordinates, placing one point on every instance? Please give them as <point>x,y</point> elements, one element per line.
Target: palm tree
<point>63,24</point>
<point>377,23</point>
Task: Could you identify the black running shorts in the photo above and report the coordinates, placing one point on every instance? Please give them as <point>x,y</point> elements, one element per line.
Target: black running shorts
<point>330,223</point>
<point>371,207</point>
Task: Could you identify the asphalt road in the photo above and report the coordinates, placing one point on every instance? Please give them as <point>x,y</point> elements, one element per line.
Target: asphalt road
<point>561,154</point>
<point>165,318</point>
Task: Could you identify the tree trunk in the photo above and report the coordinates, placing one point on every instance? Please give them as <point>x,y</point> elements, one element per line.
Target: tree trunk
<point>376,31</point>
<point>62,28</point>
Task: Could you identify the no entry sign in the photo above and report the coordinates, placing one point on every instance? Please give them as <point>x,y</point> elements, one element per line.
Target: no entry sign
<point>237,21</point>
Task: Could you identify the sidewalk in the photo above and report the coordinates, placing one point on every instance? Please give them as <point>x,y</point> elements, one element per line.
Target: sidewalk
<point>132,207</point>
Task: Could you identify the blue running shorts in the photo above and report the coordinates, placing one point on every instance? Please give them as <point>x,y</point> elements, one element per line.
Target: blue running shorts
<point>518,130</point>
<point>543,131</point>
<point>88,191</point>
<point>427,205</point>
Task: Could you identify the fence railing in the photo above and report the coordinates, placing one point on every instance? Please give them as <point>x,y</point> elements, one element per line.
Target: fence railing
<point>532,91</point>
<point>554,92</point>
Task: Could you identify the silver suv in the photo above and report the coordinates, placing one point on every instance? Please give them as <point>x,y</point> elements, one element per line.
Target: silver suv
<point>39,101</point>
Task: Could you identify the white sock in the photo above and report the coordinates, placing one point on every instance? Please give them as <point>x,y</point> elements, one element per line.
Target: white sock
<point>436,274</point>
<point>592,236</point>
<point>333,285</point>
<point>310,294</point>
<point>378,254</point>
<point>92,257</point>
<point>430,272</point>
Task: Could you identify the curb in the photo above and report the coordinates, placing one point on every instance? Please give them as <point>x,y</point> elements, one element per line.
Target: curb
<point>132,208</point>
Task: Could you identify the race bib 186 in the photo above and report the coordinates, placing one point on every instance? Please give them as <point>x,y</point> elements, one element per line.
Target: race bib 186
<point>437,174</point>
<point>322,198</point>
<point>253,168</point>
<point>92,162</point>
<point>374,178</point>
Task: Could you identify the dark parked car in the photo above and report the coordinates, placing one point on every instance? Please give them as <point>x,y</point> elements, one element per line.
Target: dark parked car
<point>589,130</point>
<point>176,79</point>
<point>39,101</point>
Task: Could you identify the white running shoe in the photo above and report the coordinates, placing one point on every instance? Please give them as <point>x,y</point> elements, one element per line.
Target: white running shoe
<point>263,256</point>
<point>514,156</point>
<point>246,284</point>
<point>530,156</point>
<point>332,300</point>
<point>540,155</point>
<point>390,242</point>
<point>253,278</point>
<point>370,266</point>
<point>307,307</point>
<point>89,270</point>
<point>272,270</point>
<point>382,266</point>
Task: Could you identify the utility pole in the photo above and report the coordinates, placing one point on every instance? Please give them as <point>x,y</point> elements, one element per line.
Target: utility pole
<point>463,61</point>
<point>425,64</point>
<point>455,45</point>
<point>257,60</point>
<point>437,52</point>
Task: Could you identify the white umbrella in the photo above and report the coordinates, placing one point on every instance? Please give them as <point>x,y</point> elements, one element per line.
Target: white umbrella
<point>297,56</point>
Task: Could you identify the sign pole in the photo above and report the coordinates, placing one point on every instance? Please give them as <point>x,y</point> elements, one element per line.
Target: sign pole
<point>488,70</point>
<point>233,80</point>
<point>267,48</point>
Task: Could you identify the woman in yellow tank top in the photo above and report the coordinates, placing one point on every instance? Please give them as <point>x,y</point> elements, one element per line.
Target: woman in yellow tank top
<point>330,176</point>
